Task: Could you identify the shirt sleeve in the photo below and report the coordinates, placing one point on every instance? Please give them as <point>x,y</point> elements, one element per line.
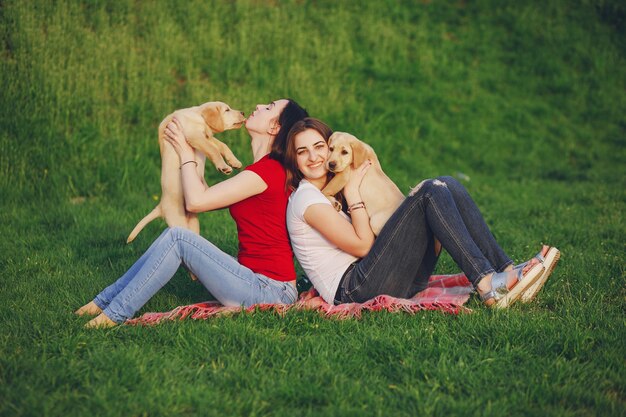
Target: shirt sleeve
<point>268,169</point>
<point>306,196</point>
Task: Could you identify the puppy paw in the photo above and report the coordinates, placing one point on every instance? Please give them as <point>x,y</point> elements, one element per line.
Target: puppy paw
<point>225,169</point>
<point>336,204</point>
<point>235,163</point>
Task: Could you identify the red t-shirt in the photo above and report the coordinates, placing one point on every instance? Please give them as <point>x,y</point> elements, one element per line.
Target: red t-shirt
<point>264,243</point>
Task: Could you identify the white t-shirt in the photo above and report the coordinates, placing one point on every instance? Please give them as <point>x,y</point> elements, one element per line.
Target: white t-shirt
<point>322,261</point>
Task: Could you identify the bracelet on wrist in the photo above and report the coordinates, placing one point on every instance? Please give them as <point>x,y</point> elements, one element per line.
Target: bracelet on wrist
<point>358,203</point>
<point>356,206</point>
<point>188,162</point>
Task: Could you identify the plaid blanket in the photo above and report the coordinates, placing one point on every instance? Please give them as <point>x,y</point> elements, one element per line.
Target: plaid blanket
<point>447,293</point>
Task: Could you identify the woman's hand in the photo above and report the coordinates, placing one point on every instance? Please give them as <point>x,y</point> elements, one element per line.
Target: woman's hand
<point>351,189</point>
<point>176,137</point>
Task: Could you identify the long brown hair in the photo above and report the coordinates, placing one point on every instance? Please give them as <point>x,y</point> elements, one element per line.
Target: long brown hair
<point>291,164</point>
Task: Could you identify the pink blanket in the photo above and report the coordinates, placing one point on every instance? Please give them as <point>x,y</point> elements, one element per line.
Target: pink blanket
<point>447,293</point>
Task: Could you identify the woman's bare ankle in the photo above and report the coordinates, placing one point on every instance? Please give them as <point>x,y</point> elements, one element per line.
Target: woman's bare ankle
<point>484,286</point>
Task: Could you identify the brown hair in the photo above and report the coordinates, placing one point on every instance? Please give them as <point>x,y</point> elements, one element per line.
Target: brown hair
<point>290,159</point>
<point>292,113</point>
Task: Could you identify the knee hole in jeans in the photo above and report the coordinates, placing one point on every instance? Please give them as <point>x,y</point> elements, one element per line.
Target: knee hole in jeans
<point>435,182</point>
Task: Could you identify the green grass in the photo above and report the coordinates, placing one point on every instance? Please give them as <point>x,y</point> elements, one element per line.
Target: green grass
<point>524,97</point>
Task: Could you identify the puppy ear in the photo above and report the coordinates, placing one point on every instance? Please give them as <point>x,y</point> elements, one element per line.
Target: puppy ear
<point>360,152</point>
<point>213,118</point>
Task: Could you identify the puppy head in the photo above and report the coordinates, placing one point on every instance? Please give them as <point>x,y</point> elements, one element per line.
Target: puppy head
<point>220,117</point>
<point>346,151</point>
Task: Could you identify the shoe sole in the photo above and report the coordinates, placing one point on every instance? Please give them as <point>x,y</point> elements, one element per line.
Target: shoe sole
<point>531,277</point>
<point>550,261</point>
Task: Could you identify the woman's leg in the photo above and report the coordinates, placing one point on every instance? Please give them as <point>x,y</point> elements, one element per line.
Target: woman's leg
<point>476,226</point>
<point>405,247</point>
<point>231,283</point>
<point>103,299</point>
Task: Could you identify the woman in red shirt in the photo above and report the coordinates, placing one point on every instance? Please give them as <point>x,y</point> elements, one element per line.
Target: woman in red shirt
<point>257,199</point>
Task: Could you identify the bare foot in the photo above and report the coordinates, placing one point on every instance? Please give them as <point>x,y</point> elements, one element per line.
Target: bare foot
<point>89,309</point>
<point>100,322</point>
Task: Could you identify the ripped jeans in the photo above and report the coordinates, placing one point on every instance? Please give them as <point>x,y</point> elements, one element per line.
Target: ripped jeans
<point>226,279</point>
<point>403,256</point>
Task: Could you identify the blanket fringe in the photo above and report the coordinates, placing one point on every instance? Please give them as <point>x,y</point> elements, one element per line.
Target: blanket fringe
<point>446,293</point>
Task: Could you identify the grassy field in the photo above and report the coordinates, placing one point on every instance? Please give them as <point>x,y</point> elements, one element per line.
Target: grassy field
<point>524,99</point>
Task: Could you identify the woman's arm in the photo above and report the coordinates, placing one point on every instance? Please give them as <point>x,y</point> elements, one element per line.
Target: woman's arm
<point>355,238</point>
<point>199,197</point>
<point>223,194</point>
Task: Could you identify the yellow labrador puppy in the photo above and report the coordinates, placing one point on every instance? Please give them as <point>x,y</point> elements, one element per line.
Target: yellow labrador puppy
<point>380,195</point>
<point>199,123</point>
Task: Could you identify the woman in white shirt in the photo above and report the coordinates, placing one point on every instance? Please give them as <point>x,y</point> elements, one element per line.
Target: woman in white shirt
<point>346,263</point>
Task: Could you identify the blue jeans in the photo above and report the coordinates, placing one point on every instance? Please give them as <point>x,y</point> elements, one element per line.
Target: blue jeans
<point>231,283</point>
<point>403,256</point>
